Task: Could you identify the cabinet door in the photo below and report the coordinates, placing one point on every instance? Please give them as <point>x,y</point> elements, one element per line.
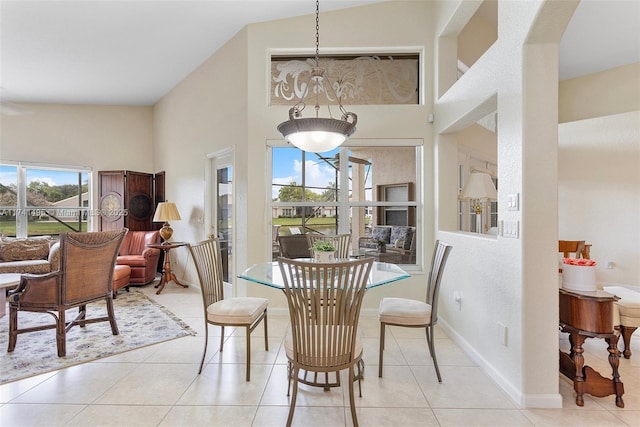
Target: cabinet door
<point>139,200</point>
<point>111,205</point>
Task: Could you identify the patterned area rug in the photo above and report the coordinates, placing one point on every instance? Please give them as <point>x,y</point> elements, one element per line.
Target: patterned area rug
<point>141,322</point>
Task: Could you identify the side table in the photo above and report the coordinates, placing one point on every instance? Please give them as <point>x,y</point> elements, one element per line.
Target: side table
<point>7,280</point>
<point>167,275</point>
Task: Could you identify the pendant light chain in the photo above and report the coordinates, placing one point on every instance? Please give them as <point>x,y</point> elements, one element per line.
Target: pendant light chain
<point>317,33</point>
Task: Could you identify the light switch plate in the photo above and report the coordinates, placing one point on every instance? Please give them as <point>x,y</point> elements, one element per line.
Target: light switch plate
<point>510,229</point>
<point>513,202</point>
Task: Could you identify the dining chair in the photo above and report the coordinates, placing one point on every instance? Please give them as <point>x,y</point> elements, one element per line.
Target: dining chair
<point>577,247</point>
<point>87,263</point>
<point>324,302</point>
<point>244,312</point>
<point>294,246</point>
<point>411,313</point>
<point>341,242</point>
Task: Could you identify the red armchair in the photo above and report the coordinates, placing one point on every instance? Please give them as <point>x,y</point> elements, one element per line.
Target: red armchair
<point>142,260</point>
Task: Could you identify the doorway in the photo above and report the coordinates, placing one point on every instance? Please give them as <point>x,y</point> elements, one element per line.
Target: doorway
<point>221,207</point>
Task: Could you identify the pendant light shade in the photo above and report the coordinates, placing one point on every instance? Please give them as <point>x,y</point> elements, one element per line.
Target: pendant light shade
<point>317,134</point>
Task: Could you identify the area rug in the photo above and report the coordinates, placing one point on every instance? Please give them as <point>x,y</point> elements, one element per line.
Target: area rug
<point>141,322</point>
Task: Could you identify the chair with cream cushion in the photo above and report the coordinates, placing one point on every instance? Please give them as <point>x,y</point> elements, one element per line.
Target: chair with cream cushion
<point>244,312</point>
<point>626,314</point>
<point>324,302</point>
<point>416,314</point>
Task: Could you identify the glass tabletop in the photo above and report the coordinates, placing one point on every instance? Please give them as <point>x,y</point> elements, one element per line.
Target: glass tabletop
<point>268,274</point>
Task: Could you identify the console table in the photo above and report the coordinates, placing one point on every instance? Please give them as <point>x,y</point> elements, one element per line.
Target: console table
<point>589,315</point>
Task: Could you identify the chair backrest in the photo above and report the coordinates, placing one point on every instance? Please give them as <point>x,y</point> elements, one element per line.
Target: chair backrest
<point>135,241</point>
<point>438,261</point>
<point>324,306</point>
<point>87,261</point>
<point>567,247</point>
<point>208,261</point>
<point>341,242</point>
<point>294,246</point>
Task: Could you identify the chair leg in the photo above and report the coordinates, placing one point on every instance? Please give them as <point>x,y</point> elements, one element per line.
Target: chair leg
<point>221,337</point>
<point>432,350</point>
<point>112,317</point>
<point>248,332</point>
<point>627,331</point>
<point>289,377</point>
<point>13,328</point>
<point>352,401</point>
<point>382,328</point>
<point>61,334</point>
<point>292,406</point>
<point>266,338</point>
<point>206,342</point>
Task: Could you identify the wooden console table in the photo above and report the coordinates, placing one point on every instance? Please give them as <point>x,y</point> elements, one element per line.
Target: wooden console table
<point>167,275</point>
<point>589,315</point>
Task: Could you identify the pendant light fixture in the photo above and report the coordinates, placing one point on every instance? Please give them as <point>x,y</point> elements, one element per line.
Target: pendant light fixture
<point>317,134</point>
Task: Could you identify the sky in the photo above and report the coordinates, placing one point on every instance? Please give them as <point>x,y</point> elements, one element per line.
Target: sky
<point>287,168</point>
<point>51,177</point>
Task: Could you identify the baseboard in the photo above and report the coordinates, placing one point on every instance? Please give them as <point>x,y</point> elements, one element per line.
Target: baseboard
<point>520,400</point>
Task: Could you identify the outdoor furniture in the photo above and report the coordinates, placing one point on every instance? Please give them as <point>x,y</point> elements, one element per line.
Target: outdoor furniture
<point>86,272</point>
<point>416,314</point>
<point>294,246</point>
<point>341,242</point>
<point>244,312</point>
<point>324,307</point>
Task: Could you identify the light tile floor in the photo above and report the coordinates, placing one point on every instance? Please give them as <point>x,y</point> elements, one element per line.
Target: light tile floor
<point>159,385</point>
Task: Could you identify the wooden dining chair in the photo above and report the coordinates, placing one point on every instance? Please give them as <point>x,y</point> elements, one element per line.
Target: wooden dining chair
<point>576,247</point>
<point>341,242</point>
<point>324,302</point>
<point>416,314</point>
<point>244,312</point>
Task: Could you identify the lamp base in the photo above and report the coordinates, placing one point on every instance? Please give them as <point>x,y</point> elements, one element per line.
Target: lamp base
<point>166,232</point>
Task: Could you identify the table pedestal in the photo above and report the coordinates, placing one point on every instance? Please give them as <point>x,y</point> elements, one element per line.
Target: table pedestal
<point>167,275</point>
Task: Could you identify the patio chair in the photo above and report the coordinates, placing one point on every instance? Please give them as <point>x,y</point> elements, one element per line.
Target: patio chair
<point>341,242</point>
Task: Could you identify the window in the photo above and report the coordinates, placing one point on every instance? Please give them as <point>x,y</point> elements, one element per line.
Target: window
<point>42,200</point>
<point>349,190</point>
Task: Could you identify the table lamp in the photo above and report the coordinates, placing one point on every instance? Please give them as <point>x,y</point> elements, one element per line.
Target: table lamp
<point>165,212</point>
<point>478,189</point>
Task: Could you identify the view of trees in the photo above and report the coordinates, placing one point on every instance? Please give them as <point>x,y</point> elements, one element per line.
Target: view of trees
<point>39,193</point>
<point>293,193</point>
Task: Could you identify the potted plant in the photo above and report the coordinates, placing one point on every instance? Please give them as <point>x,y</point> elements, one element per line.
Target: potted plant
<point>382,246</point>
<point>323,251</point>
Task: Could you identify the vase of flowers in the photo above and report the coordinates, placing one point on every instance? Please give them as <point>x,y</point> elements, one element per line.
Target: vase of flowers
<point>323,251</point>
<point>382,246</point>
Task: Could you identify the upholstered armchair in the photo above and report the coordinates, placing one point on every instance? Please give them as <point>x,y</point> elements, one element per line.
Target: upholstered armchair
<point>142,260</point>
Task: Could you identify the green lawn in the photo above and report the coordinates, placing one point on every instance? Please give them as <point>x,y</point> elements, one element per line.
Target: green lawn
<point>38,228</point>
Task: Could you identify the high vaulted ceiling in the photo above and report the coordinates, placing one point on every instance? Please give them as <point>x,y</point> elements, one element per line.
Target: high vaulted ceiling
<point>134,52</point>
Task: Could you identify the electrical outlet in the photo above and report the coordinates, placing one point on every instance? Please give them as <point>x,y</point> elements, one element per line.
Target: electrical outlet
<point>458,299</point>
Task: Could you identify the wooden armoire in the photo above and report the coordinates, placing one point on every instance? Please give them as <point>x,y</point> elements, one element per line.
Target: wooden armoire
<point>129,199</point>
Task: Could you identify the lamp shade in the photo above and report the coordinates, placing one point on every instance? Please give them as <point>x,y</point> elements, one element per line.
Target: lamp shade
<point>479,186</point>
<point>166,211</point>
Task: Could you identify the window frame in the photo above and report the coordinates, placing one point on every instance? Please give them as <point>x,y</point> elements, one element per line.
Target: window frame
<point>344,204</point>
<point>22,210</point>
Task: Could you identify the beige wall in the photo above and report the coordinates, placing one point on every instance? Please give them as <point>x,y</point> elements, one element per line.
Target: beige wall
<point>99,137</point>
<point>599,192</point>
<point>600,94</point>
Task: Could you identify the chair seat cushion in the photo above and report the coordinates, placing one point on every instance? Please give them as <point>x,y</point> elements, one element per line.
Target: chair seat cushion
<point>238,311</point>
<point>403,311</point>
<point>627,308</point>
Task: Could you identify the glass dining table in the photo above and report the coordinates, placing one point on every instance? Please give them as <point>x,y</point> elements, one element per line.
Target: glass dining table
<point>268,274</point>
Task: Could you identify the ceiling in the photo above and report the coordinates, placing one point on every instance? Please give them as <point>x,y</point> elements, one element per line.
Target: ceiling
<point>134,52</point>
